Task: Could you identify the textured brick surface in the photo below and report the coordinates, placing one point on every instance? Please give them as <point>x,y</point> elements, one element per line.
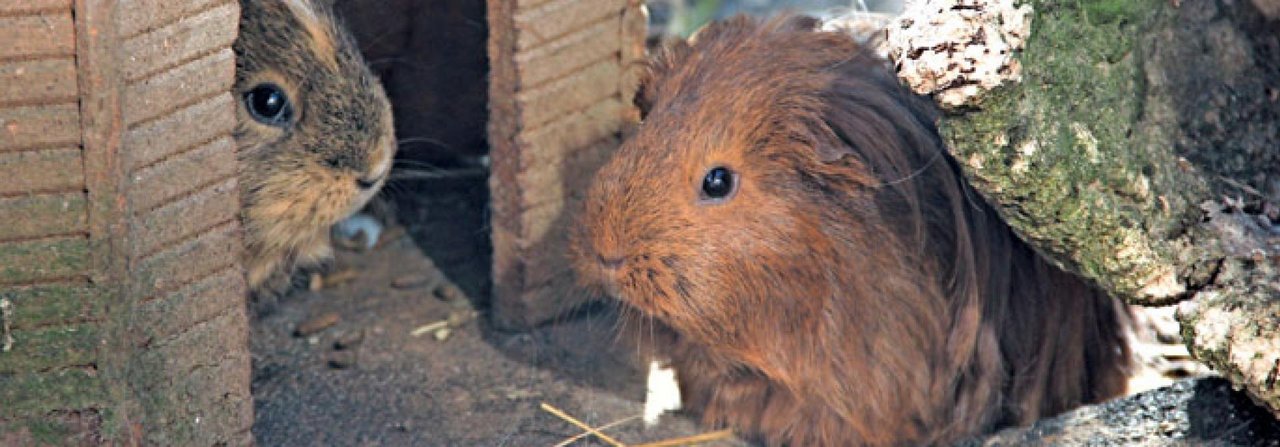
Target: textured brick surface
<point>560,92</point>
<point>40,171</point>
<point>120,283</point>
<point>38,81</point>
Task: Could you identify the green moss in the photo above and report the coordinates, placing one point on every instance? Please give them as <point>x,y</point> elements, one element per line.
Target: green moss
<point>1064,152</point>
<point>49,432</point>
<point>47,258</point>
<point>1112,11</point>
<point>39,393</point>
<point>43,349</point>
<point>50,304</point>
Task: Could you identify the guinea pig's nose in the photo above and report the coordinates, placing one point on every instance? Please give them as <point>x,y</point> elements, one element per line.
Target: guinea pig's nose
<point>612,262</point>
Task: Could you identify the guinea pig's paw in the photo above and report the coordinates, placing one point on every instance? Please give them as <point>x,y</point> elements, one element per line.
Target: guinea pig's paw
<point>663,392</point>
<point>358,231</point>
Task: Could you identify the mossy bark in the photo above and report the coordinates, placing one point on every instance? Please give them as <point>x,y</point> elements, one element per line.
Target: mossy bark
<point>1132,120</point>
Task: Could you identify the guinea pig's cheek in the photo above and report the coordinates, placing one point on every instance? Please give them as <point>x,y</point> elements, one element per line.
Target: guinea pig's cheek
<point>361,198</point>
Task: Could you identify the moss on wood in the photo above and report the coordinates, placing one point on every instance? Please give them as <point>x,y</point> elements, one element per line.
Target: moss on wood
<point>1072,157</point>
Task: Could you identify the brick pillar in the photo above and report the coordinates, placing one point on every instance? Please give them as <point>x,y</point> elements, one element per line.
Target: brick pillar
<point>563,73</point>
<point>122,293</point>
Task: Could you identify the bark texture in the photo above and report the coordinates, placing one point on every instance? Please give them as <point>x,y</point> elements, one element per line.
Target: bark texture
<point>1139,150</point>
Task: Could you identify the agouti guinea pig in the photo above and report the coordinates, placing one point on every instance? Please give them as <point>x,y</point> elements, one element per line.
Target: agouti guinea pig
<point>789,215</point>
<point>315,135</point>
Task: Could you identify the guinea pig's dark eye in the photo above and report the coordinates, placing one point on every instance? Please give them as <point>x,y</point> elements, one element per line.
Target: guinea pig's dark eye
<point>268,104</point>
<point>719,183</point>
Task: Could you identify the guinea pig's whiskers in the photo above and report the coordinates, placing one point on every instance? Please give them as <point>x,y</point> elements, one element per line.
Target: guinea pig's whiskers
<point>415,140</point>
<point>375,40</point>
<point>406,174</point>
<point>916,173</point>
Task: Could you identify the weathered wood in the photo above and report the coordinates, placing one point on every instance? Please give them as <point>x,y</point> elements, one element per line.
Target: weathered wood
<point>160,95</point>
<point>38,81</point>
<point>35,36</point>
<point>39,127</point>
<point>555,20</point>
<point>44,214</point>
<point>31,261</point>
<point>136,16</point>
<point>17,7</point>
<point>180,41</point>
<point>559,100</point>
<point>180,131</point>
<point>570,54</point>
<point>52,304</point>
<point>169,315</point>
<point>212,206</point>
<point>1130,123</point>
<point>206,164</point>
<point>190,261</point>
<point>594,83</point>
<point>40,171</point>
<point>49,348</point>
<point>115,238</point>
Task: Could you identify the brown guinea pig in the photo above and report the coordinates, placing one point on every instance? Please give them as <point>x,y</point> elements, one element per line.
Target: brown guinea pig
<point>315,135</point>
<point>787,212</point>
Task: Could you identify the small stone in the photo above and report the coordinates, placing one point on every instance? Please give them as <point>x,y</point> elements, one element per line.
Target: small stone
<point>449,292</point>
<point>342,360</point>
<point>410,281</point>
<point>459,317</point>
<point>442,334</point>
<point>520,394</point>
<point>348,340</point>
<point>316,324</point>
<point>340,277</point>
<point>460,304</point>
<point>391,235</point>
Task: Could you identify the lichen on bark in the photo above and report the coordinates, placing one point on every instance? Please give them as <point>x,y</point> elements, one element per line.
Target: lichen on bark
<point>1078,155</point>
<point>1132,122</point>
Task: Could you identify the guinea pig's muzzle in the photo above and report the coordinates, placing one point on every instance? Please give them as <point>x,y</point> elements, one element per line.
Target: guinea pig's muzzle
<point>599,263</point>
<point>608,271</point>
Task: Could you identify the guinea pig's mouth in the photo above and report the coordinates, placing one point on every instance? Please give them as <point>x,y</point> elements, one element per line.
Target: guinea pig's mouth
<point>612,287</point>
<point>367,183</point>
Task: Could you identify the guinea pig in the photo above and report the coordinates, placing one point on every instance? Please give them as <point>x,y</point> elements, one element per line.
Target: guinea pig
<point>315,135</point>
<point>788,217</point>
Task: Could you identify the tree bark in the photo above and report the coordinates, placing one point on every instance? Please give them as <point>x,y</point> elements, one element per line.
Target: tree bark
<point>1139,150</point>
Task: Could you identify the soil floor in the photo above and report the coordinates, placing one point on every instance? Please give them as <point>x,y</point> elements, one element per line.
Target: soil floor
<point>367,380</point>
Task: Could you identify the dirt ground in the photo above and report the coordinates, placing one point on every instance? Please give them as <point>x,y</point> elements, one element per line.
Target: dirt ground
<point>383,386</point>
<point>366,380</point>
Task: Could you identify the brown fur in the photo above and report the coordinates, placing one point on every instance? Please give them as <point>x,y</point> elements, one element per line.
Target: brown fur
<point>854,291</point>
<point>300,179</point>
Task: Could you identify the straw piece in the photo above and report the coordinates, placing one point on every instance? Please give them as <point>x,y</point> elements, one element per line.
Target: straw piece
<point>602,427</point>
<point>690,440</point>
<point>560,414</point>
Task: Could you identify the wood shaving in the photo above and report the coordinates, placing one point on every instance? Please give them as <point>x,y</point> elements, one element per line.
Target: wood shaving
<point>958,49</point>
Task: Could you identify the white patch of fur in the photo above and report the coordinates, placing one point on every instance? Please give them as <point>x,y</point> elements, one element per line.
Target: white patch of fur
<point>663,392</point>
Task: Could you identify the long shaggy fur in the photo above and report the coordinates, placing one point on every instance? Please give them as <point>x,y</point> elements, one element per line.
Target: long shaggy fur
<point>300,179</point>
<point>854,290</point>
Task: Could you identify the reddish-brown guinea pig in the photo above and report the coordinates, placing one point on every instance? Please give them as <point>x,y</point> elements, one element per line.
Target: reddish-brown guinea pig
<point>788,214</point>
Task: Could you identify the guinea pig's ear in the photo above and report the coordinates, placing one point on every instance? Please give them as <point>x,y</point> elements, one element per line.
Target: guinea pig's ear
<point>802,23</point>
<point>642,100</point>
<point>869,115</point>
<point>673,53</point>
<point>838,145</point>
